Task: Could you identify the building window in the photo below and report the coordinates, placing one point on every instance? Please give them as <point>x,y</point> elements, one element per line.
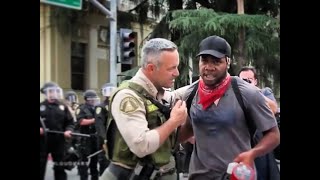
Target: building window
<point>78,55</point>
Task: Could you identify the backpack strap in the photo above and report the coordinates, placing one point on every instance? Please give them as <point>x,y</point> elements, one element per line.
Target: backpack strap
<point>249,121</point>
<point>190,98</point>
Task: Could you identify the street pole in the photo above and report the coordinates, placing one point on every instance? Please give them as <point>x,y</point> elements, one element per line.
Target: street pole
<point>113,43</point>
<point>112,15</point>
<point>103,9</point>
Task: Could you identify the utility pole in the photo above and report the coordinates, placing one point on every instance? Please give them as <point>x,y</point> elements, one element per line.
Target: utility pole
<point>112,15</point>
<point>113,43</point>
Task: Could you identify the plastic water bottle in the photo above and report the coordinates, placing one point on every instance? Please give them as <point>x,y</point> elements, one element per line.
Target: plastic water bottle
<point>242,172</point>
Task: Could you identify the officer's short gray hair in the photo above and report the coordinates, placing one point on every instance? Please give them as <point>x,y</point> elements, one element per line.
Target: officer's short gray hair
<point>153,48</point>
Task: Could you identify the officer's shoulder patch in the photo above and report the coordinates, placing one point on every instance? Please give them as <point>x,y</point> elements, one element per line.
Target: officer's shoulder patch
<point>77,111</point>
<point>61,107</point>
<point>98,110</point>
<point>129,104</point>
<point>42,107</point>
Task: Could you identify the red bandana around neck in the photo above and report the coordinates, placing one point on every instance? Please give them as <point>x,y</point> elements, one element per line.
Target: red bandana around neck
<point>208,96</point>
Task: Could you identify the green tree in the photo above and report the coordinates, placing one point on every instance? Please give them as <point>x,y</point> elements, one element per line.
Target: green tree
<point>251,27</point>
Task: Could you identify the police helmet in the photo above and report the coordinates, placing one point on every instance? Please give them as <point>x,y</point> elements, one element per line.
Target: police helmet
<point>71,96</point>
<point>48,85</point>
<point>52,91</point>
<point>107,89</point>
<point>91,97</point>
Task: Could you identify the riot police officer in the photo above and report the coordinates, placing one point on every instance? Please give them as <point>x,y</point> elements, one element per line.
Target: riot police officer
<point>55,116</point>
<point>86,122</point>
<point>101,117</point>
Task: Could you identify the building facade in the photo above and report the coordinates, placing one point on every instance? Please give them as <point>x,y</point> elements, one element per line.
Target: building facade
<point>78,59</point>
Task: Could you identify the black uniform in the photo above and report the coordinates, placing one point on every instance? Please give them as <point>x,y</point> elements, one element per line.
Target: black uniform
<point>87,145</point>
<point>101,116</point>
<point>56,116</point>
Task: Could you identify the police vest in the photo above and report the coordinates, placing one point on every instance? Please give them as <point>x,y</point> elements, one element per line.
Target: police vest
<point>120,150</point>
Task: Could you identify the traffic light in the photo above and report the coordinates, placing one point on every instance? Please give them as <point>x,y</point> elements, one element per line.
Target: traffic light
<point>127,46</point>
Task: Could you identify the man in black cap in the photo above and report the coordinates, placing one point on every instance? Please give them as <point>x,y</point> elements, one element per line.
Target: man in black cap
<point>217,119</point>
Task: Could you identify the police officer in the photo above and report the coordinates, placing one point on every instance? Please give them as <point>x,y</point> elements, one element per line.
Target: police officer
<point>54,115</point>
<point>88,146</point>
<point>101,117</point>
<point>143,135</point>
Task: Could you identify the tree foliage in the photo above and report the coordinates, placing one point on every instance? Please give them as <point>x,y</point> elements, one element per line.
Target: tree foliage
<point>260,22</point>
<point>261,43</point>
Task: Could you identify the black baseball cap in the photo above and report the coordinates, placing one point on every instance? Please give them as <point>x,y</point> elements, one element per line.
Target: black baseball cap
<point>214,46</point>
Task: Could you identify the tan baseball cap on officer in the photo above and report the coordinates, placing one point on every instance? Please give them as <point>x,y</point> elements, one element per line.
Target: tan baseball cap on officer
<point>214,46</point>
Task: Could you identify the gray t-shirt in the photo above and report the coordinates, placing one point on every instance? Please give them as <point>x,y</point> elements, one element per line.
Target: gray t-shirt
<point>268,93</point>
<point>221,131</point>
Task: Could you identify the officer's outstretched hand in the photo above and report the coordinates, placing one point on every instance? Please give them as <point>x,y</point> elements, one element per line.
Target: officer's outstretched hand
<point>67,134</point>
<point>179,112</point>
<point>41,131</point>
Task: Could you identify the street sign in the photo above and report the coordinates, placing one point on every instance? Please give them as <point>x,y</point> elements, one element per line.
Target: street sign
<point>72,4</point>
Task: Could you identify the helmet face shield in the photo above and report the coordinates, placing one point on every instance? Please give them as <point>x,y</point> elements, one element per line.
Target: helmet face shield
<point>72,98</point>
<point>106,91</point>
<point>94,101</point>
<point>53,93</point>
